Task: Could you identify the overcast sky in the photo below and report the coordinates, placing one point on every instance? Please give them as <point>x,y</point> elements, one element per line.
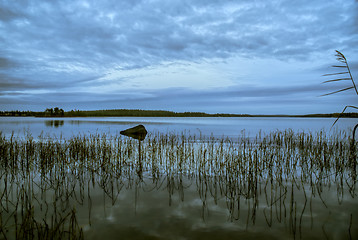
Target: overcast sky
<point>212,56</point>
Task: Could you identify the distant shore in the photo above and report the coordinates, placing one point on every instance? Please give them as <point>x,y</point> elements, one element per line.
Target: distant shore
<point>158,113</point>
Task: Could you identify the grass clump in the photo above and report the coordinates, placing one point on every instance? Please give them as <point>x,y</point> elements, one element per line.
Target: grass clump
<point>43,181</point>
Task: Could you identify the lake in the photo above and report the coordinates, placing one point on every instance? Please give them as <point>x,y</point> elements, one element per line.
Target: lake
<point>216,126</point>
<point>78,178</point>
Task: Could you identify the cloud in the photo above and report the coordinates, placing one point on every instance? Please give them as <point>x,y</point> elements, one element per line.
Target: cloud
<point>6,63</point>
<point>152,31</point>
<point>7,14</point>
<point>74,46</point>
<point>239,99</point>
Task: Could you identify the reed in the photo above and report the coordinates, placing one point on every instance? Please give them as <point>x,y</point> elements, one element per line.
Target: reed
<point>44,180</point>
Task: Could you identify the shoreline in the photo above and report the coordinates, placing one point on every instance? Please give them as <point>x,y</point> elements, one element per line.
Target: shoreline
<point>161,113</point>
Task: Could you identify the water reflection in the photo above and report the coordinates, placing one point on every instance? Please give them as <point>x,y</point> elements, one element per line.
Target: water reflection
<point>189,188</point>
<point>54,123</point>
<point>191,206</point>
<point>219,127</point>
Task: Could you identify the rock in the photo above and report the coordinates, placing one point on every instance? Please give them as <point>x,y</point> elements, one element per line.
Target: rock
<point>138,132</point>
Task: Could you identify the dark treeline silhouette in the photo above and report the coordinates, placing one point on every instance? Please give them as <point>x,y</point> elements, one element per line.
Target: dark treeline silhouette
<point>49,112</point>
<point>144,113</point>
<point>54,112</point>
<point>57,112</point>
<point>162,113</point>
<point>18,113</point>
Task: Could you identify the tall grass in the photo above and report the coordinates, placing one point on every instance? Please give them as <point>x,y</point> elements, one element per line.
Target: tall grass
<point>344,75</point>
<point>42,181</point>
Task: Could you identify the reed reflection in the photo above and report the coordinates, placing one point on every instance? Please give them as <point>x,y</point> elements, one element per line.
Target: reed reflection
<point>54,123</point>
<point>293,183</point>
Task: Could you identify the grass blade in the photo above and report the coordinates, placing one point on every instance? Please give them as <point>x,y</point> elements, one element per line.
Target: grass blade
<point>343,112</point>
<point>330,74</point>
<point>336,80</point>
<point>340,57</point>
<point>345,89</point>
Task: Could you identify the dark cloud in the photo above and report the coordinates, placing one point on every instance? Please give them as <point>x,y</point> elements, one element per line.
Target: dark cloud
<point>239,99</point>
<point>11,83</point>
<point>7,14</point>
<point>6,63</point>
<point>70,46</point>
<point>157,31</point>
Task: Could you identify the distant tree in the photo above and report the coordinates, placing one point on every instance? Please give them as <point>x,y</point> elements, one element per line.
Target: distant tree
<point>48,112</point>
<point>54,112</point>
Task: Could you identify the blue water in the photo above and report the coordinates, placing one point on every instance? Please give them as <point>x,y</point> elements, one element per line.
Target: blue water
<point>201,207</point>
<point>216,126</point>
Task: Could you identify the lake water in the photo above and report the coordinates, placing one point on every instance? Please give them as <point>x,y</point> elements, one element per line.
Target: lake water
<point>185,190</point>
<point>216,126</point>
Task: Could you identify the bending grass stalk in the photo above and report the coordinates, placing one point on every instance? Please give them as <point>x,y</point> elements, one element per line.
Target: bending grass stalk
<point>342,59</point>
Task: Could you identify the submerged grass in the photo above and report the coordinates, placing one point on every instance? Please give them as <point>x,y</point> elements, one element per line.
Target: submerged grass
<point>43,180</point>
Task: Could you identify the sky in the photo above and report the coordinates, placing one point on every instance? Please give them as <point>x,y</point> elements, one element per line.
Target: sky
<point>214,56</point>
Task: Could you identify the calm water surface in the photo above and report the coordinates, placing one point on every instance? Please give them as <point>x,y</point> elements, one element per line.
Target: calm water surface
<point>121,203</point>
<point>228,127</point>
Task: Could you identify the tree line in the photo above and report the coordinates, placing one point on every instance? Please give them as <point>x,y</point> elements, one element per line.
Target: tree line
<point>143,113</point>
<point>49,112</point>
<point>59,112</point>
<point>54,112</point>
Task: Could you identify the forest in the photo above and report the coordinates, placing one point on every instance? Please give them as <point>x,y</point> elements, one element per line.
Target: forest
<point>59,112</point>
